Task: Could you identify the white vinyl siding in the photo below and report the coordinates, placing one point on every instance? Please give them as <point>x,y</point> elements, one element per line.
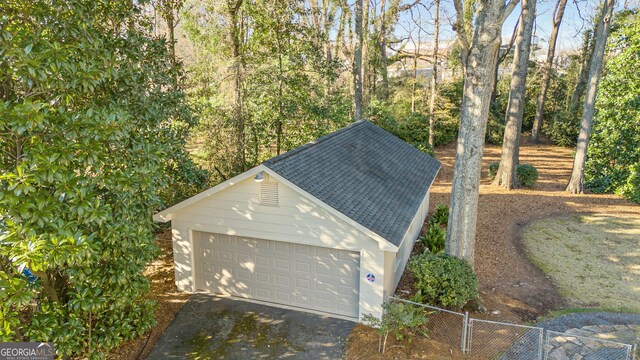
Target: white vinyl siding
<point>395,263</point>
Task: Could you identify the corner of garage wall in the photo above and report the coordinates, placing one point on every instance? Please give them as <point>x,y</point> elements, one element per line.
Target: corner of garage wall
<point>182,256</point>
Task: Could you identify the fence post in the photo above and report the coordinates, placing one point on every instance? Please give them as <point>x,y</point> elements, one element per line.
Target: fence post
<point>465,322</point>
<point>541,351</point>
<point>634,350</point>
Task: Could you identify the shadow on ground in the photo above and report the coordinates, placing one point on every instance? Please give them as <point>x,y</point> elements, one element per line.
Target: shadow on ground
<point>210,327</point>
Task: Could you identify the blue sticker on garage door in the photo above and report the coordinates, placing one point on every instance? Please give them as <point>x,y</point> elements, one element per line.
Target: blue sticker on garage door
<point>371,277</point>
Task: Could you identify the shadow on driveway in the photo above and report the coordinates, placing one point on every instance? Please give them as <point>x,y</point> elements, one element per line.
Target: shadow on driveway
<point>210,327</point>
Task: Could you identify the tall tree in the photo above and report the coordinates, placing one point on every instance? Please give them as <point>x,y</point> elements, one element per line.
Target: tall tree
<point>506,175</point>
<point>480,53</point>
<point>169,10</point>
<point>434,72</point>
<point>384,86</point>
<point>234,11</point>
<point>357,63</point>
<point>576,183</point>
<point>558,13</point>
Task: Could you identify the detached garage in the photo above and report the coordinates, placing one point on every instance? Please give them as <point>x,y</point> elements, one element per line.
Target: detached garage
<point>327,227</point>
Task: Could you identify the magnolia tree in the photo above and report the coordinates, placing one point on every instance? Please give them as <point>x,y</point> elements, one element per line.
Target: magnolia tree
<point>91,129</point>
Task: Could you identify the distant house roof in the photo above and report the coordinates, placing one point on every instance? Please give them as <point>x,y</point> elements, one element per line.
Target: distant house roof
<point>364,172</point>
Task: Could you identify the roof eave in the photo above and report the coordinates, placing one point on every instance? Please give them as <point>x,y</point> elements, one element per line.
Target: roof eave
<point>167,214</point>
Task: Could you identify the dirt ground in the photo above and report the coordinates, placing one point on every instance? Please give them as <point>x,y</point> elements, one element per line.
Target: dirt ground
<point>512,289</point>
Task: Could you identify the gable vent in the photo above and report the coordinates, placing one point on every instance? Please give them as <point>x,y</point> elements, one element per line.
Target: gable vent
<point>269,193</point>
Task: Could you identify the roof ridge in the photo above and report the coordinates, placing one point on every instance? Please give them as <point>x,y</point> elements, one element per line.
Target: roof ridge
<point>317,141</point>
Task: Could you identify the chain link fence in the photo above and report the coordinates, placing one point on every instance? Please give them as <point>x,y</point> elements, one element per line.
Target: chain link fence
<point>504,341</point>
<point>468,338</point>
<point>560,346</point>
<point>447,329</point>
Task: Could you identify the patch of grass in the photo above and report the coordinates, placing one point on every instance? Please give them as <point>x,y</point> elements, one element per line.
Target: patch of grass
<point>575,310</point>
<point>264,335</point>
<point>201,347</point>
<point>594,260</point>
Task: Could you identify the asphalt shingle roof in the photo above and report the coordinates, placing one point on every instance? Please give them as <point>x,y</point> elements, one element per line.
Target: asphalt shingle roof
<point>364,172</point>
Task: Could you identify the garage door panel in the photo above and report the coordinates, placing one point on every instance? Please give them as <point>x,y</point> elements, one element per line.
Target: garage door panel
<point>283,264</point>
<point>263,278</point>
<point>302,283</point>
<point>282,247</point>
<point>345,290</point>
<point>324,303</point>
<point>302,267</point>
<point>262,260</point>
<point>222,240</point>
<point>323,269</point>
<point>283,297</point>
<point>283,280</point>
<point>302,249</point>
<point>225,255</point>
<point>292,274</point>
<point>245,275</point>
<point>302,300</point>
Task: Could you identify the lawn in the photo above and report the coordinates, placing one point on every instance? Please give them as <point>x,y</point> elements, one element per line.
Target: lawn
<point>593,259</point>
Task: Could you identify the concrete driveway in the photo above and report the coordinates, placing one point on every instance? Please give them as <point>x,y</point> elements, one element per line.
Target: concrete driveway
<point>210,327</point>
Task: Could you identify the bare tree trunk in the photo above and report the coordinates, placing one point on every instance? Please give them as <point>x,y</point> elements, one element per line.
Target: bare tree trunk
<point>169,10</point>
<point>558,12</point>
<point>384,87</point>
<point>506,175</point>
<point>474,111</point>
<point>235,34</point>
<point>501,59</point>
<point>328,15</point>
<point>340,35</point>
<point>357,64</point>
<point>172,34</point>
<point>434,74</point>
<point>280,91</point>
<point>416,53</point>
<point>589,44</point>
<point>576,183</point>
<point>366,71</point>
<point>463,28</point>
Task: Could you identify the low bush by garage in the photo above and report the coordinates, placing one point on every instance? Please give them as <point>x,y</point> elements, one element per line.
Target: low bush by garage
<point>443,280</point>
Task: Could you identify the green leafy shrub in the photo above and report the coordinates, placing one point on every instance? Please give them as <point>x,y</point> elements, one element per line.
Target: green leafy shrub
<point>613,159</point>
<point>564,129</point>
<point>493,170</point>
<point>440,216</point>
<point>402,320</point>
<point>434,240</point>
<point>443,280</point>
<point>527,175</point>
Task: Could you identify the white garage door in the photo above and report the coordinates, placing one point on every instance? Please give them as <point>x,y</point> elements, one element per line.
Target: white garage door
<point>304,276</point>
